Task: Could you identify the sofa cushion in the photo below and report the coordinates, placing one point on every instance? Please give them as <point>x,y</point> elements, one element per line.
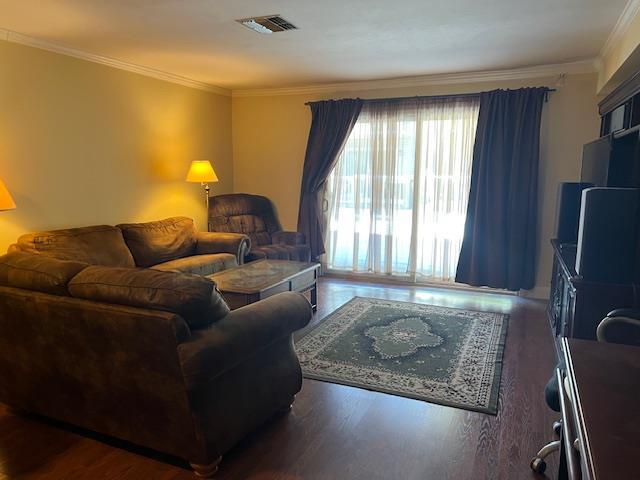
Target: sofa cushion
<point>38,272</point>
<point>252,226</point>
<point>193,297</point>
<point>200,264</point>
<point>96,245</point>
<point>152,243</point>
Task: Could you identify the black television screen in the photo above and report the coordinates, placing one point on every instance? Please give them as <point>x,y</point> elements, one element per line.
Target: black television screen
<point>623,166</point>
<point>595,162</point>
<point>612,161</point>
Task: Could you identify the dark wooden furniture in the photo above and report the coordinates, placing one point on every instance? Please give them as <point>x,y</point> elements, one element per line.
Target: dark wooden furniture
<point>258,280</point>
<point>576,306</point>
<point>600,414</point>
<point>620,124</point>
<point>620,110</point>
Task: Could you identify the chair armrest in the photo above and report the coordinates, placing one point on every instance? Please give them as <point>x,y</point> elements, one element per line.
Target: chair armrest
<point>620,326</point>
<point>625,312</point>
<point>288,238</point>
<point>210,352</point>
<point>221,242</point>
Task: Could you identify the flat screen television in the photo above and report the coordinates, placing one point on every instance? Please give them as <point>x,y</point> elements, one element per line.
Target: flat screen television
<point>595,161</point>
<point>612,161</point>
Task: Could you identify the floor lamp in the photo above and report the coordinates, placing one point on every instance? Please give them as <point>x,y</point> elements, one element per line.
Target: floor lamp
<point>6,202</point>
<point>202,172</point>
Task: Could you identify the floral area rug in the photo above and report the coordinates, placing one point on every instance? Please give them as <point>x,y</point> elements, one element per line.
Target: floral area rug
<point>437,354</point>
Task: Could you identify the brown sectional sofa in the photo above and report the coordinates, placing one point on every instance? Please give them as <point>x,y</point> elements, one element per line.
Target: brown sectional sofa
<point>171,244</point>
<point>152,356</point>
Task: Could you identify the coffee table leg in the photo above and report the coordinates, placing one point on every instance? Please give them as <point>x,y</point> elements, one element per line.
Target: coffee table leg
<point>314,297</point>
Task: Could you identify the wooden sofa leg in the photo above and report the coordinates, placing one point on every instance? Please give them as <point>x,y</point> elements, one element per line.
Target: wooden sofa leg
<point>206,471</point>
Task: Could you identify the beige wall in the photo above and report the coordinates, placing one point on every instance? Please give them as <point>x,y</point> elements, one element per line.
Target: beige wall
<point>621,59</point>
<point>270,135</point>
<point>82,143</point>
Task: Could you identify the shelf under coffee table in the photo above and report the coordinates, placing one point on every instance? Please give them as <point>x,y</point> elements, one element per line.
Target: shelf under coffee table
<point>258,280</point>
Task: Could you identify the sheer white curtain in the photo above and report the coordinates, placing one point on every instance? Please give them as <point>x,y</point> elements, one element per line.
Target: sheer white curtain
<point>397,196</point>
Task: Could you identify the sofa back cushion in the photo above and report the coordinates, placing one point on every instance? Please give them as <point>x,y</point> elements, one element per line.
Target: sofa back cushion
<point>158,242</point>
<point>38,272</point>
<point>193,297</point>
<point>252,215</point>
<point>96,245</point>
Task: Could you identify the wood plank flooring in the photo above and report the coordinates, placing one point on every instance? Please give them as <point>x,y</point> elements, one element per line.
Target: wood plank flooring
<point>339,432</point>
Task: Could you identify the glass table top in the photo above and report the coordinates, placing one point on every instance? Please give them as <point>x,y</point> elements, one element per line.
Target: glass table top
<point>256,276</point>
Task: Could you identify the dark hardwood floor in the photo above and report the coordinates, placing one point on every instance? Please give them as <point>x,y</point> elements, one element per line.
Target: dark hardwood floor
<point>338,432</point>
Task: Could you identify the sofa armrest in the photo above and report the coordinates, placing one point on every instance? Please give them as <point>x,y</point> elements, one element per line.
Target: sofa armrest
<point>288,238</point>
<point>213,351</point>
<point>221,242</point>
<point>14,247</point>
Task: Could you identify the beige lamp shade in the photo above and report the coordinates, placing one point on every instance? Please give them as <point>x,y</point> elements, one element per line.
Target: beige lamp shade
<point>201,171</point>
<point>6,201</point>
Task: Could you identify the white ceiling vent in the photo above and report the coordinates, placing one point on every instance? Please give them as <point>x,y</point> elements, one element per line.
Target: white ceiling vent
<point>267,24</point>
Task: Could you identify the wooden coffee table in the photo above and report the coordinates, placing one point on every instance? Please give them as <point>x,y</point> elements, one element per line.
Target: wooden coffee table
<point>258,280</point>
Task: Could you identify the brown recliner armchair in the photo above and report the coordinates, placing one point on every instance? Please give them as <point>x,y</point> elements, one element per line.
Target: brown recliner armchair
<point>254,216</point>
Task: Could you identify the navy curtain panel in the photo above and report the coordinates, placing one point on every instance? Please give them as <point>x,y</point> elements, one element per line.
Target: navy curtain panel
<point>499,245</point>
<point>331,124</point>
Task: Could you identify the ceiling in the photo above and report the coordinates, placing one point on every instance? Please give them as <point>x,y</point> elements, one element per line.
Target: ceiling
<point>337,40</point>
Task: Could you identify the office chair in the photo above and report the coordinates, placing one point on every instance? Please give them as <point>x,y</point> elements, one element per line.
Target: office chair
<point>619,326</point>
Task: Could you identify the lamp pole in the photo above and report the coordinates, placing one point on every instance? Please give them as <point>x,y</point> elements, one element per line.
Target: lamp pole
<point>206,195</point>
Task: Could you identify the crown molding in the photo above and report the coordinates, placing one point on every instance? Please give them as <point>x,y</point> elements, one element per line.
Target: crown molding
<point>15,37</point>
<point>582,66</point>
<point>629,12</point>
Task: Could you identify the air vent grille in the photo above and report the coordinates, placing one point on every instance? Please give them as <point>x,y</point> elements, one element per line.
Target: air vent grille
<point>281,23</point>
<point>267,24</point>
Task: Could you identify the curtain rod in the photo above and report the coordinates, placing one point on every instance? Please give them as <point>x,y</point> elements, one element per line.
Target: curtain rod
<point>434,97</point>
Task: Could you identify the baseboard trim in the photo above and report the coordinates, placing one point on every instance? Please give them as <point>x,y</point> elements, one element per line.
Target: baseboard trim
<point>407,281</point>
<point>538,293</point>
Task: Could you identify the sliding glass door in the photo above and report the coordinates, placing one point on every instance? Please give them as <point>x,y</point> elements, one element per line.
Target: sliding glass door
<point>397,197</point>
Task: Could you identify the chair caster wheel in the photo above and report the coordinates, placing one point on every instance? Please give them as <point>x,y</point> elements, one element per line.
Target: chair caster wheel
<point>557,428</point>
<point>538,465</point>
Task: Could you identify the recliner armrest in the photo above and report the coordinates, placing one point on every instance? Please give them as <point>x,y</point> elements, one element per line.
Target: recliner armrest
<point>221,242</point>
<point>210,352</point>
<point>288,238</point>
